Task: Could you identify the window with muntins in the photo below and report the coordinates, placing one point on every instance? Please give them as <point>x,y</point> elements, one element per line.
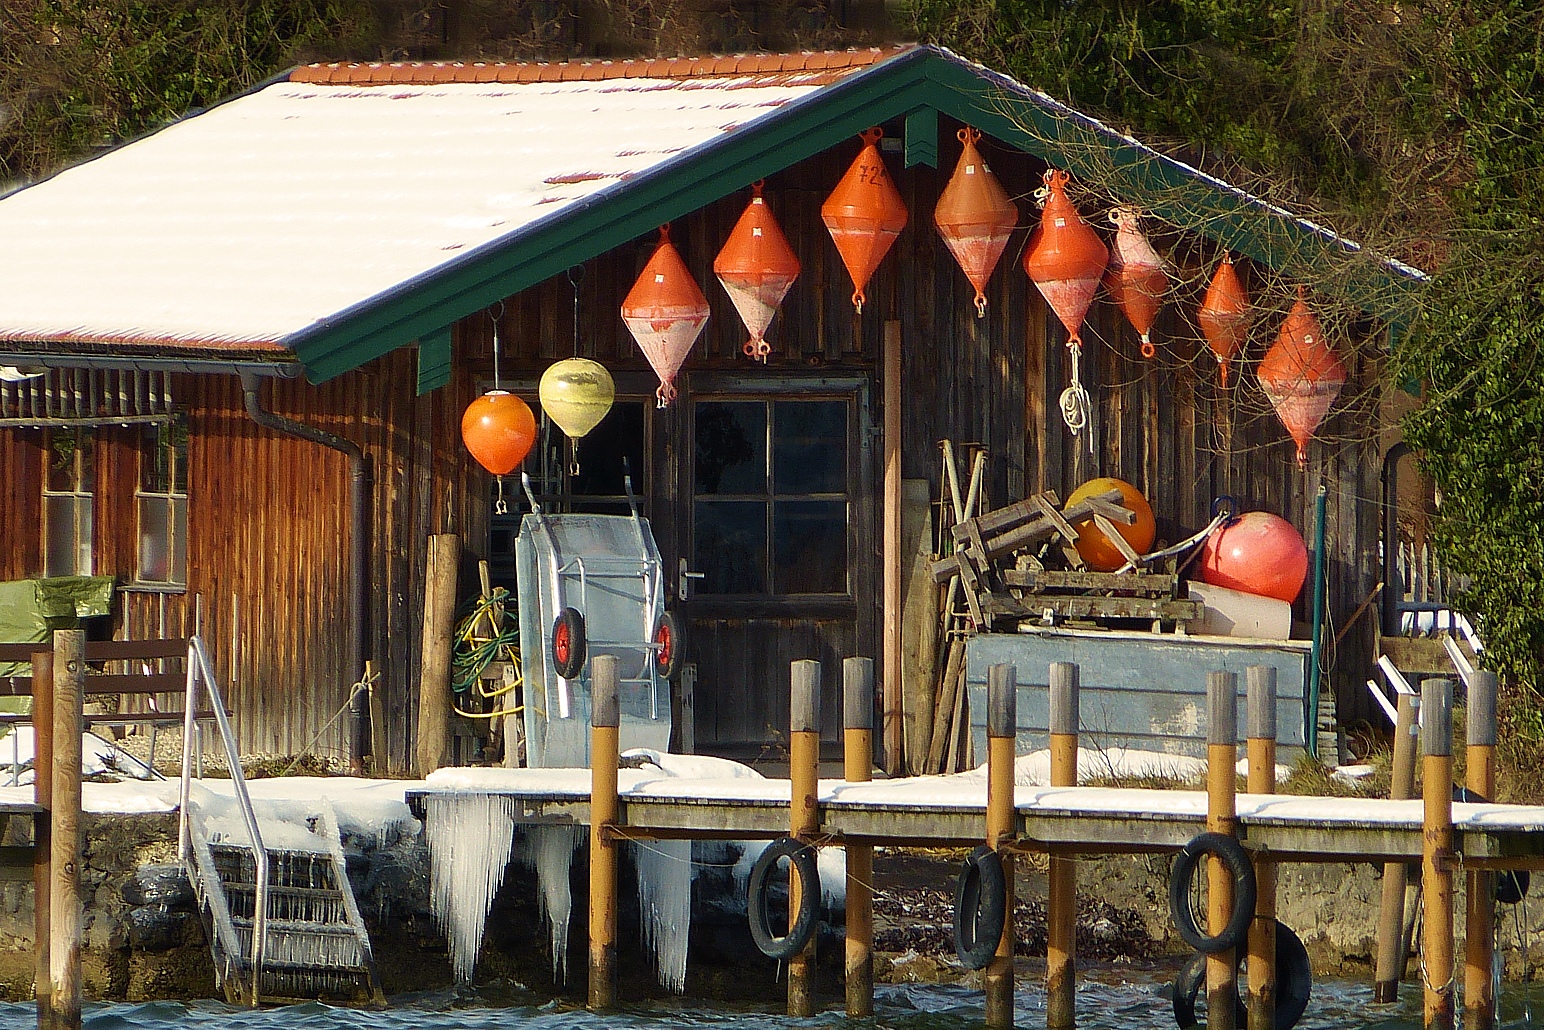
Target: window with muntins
<point>69,496</point>
<point>162,500</point>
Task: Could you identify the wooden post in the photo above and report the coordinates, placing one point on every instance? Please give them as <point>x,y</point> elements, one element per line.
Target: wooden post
<point>1392,956</point>
<point>804,782</point>
<point>1001,731</point>
<point>892,724</point>
<point>1061,904</point>
<point>64,888</point>
<point>434,669</point>
<point>605,719</point>
<point>858,754</point>
<point>42,836</point>
<point>1260,729</point>
<point>1437,852</point>
<point>1480,887</point>
<point>1221,817</point>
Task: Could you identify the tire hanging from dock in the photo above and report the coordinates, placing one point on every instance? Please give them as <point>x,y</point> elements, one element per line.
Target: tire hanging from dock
<point>1236,859</point>
<point>980,908</point>
<point>1294,984</point>
<point>758,905</point>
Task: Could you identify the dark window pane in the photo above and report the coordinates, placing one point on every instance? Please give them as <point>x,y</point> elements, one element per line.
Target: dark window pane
<point>601,452</point>
<point>59,536</point>
<point>155,540</point>
<point>809,447</point>
<point>731,551</point>
<point>731,447</point>
<point>70,465</point>
<point>809,549</point>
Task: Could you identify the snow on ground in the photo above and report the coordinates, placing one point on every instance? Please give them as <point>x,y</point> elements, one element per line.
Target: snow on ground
<point>98,757</point>
<point>1117,763</point>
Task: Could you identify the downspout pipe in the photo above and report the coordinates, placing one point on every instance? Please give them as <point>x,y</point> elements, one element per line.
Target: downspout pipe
<point>359,493</point>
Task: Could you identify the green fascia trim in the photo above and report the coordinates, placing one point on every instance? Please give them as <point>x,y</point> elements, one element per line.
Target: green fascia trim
<point>922,137</point>
<point>923,78</point>
<point>434,359</point>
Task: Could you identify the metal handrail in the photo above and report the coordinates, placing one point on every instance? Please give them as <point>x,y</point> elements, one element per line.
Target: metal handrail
<point>200,669</point>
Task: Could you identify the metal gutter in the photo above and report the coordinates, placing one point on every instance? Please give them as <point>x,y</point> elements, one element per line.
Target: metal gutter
<point>359,485</point>
<point>287,369</point>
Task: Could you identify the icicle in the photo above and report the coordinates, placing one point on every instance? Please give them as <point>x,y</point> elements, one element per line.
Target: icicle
<point>665,903</point>
<point>469,838</point>
<point>550,851</point>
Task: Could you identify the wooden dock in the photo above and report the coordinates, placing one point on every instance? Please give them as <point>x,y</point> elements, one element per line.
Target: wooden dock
<point>944,811</point>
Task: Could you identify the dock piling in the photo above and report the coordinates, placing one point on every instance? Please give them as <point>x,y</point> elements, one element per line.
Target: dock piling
<point>434,670</point>
<point>605,721</point>
<point>1437,852</point>
<point>804,783</point>
<point>42,828</point>
<point>1393,946</point>
<point>1062,884</point>
<point>858,759</point>
<point>1260,730</point>
<point>1221,817</point>
<point>1001,731</point>
<point>64,888</point>
<point>1480,886</point>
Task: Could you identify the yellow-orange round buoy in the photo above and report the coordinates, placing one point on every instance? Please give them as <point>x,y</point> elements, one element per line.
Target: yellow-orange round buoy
<point>498,429</point>
<point>577,393</point>
<point>1093,545</point>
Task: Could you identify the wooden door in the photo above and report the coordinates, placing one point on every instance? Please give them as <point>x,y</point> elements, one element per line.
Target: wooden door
<point>774,508</point>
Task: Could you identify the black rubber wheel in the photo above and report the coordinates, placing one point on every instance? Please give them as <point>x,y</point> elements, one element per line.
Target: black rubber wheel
<point>1239,867</point>
<point>1294,984</point>
<point>667,637</point>
<point>1511,884</point>
<point>980,908</point>
<point>568,643</point>
<point>758,906</point>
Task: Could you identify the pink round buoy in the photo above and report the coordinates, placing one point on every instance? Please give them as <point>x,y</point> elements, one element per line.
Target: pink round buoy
<point>1258,553</point>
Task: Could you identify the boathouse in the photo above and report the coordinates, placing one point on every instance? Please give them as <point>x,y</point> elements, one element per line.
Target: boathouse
<point>238,350</point>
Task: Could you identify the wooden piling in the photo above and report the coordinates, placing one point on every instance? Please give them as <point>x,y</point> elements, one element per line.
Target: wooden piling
<point>1437,852</point>
<point>42,847</point>
<point>1392,945</point>
<point>1480,886</point>
<point>605,720</point>
<point>1001,731</point>
<point>434,668</point>
<point>804,781</point>
<point>1260,731</point>
<point>858,756</point>
<point>65,914</point>
<point>1061,880</point>
<point>1221,817</point>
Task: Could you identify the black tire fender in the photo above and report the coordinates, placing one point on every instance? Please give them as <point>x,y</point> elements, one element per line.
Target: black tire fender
<point>758,907</point>
<point>1236,859</point>
<point>980,908</point>
<point>667,635</point>
<point>568,644</point>
<point>1294,984</point>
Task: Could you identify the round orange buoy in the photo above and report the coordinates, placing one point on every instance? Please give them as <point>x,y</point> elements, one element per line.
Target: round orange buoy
<point>1224,315</point>
<point>1066,258</point>
<point>975,217</point>
<point>498,429</point>
<point>665,312</point>
<point>1093,545</point>
<point>756,268</point>
<point>1136,278</point>
<point>1258,553</point>
<point>864,215</point>
<point>1301,375</point>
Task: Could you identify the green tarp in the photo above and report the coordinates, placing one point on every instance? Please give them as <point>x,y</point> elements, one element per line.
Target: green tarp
<point>31,609</point>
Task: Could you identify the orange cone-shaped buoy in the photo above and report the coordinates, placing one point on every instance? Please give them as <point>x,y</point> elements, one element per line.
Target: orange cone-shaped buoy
<point>665,311</point>
<point>756,268</point>
<point>1224,315</point>
<point>1301,375</point>
<point>1066,258</point>
<point>1136,278</point>
<point>975,217</point>
<point>864,215</point>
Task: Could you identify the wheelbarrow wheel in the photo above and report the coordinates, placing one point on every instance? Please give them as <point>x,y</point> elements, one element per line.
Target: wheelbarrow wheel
<point>667,638</point>
<point>568,643</point>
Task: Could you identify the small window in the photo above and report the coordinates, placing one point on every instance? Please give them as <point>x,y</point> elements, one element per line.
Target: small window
<point>69,490</point>
<point>162,498</point>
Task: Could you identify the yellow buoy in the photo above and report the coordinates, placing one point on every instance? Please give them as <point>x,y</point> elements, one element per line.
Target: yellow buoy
<point>577,393</point>
<point>1093,545</point>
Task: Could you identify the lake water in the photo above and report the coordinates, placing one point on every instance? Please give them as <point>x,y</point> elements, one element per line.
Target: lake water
<point>1106,1001</point>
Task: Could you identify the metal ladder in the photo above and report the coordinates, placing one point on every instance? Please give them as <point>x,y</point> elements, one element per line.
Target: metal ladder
<point>283,923</point>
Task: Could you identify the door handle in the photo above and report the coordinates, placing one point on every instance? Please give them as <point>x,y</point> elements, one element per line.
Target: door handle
<point>683,590</point>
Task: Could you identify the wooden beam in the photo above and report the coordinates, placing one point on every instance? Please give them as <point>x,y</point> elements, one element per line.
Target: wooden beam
<point>65,911</point>
<point>892,722</point>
